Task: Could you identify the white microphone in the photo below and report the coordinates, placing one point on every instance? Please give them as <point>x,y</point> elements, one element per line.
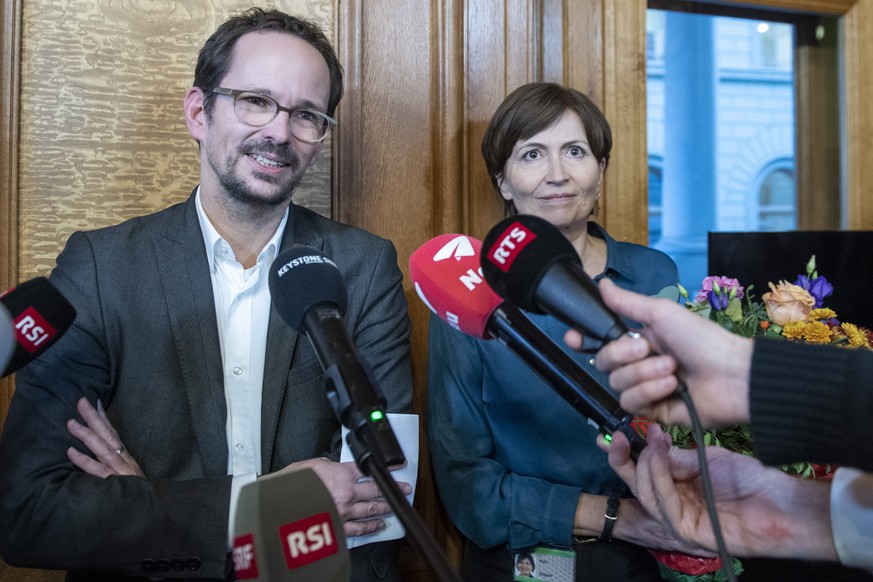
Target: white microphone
<point>287,527</point>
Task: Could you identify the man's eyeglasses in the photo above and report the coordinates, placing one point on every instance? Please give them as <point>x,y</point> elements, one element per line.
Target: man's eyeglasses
<point>258,110</point>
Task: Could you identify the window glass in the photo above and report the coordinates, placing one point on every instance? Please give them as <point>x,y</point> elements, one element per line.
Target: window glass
<point>720,107</point>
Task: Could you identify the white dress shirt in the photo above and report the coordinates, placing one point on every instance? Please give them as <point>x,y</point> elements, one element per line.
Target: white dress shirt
<point>242,310</point>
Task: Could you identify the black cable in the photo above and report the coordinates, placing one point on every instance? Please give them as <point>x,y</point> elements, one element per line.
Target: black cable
<point>696,430</point>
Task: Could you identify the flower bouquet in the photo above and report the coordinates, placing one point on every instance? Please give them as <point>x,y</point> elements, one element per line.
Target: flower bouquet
<point>789,311</point>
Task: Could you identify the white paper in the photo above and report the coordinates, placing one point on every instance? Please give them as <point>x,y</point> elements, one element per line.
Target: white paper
<point>405,428</point>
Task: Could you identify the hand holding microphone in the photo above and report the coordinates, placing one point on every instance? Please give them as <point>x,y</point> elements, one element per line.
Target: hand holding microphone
<point>715,363</point>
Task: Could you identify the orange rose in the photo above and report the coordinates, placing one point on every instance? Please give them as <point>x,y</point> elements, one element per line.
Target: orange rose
<point>787,302</point>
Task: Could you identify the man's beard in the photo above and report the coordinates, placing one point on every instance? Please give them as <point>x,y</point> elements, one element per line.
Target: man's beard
<point>237,189</point>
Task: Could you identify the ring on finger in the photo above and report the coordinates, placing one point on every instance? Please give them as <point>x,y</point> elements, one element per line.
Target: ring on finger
<point>119,450</point>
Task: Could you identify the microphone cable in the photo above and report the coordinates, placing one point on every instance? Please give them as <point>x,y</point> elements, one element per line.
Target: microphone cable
<point>697,431</point>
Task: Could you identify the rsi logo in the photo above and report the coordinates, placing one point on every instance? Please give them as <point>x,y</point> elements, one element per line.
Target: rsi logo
<point>509,245</point>
<point>244,562</point>
<point>32,330</point>
<point>308,540</point>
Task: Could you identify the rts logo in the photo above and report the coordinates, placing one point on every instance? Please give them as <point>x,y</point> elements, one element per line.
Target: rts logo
<point>32,329</point>
<point>308,540</point>
<point>509,245</point>
<point>244,557</point>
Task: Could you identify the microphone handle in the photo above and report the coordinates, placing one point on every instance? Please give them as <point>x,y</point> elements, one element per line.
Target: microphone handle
<point>517,332</point>
<point>356,401</point>
<point>569,294</point>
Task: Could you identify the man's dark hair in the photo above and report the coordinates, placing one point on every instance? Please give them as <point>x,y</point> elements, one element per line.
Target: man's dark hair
<point>217,53</point>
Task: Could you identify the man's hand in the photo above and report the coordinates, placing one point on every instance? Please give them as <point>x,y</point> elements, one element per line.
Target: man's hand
<point>762,511</point>
<point>98,434</point>
<point>712,362</point>
<point>360,503</point>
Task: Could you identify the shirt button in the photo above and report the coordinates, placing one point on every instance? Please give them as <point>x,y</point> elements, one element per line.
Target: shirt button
<point>238,371</point>
<point>591,361</point>
<point>240,447</point>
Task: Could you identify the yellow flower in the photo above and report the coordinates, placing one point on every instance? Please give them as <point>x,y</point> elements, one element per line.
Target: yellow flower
<point>794,330</point>
<point>787,302</point>
<point>855,335</point>
<point>822,313</point>
<point>814,332</point>
<point>817,332</point>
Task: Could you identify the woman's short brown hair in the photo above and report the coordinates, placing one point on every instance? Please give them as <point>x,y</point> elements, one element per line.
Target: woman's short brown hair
<point>530,109</point>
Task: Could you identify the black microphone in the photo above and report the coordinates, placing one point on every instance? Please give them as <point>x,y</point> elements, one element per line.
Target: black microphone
<point>444,272</point>
<point>527,260</point>
<point>286,527</point>
<point>39,314</point>
<point>310,295</point>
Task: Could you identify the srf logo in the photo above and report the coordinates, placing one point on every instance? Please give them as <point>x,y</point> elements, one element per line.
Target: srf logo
<point>32,330</point>
<point>509,245</point>
<point>308,540</point>
<point>244,561</point>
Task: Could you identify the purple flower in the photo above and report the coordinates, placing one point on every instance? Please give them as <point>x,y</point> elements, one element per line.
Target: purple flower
<point>723,288</point>
<point>819,288</point>
<point>718,301</point>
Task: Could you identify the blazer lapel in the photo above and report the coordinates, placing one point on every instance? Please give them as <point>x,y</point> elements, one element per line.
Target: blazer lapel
<point>281,345</point>
<point>184,276</point>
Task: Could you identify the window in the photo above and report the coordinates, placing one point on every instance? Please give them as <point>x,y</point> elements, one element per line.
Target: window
<point>776,200</point>
<point>720,109</point>
<point>654,204</point>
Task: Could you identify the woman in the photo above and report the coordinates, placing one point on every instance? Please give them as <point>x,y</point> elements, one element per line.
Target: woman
<point>517,467</point>
<point>524,565</point>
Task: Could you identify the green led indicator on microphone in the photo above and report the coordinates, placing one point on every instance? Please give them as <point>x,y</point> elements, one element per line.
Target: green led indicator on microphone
<point>376,415</point>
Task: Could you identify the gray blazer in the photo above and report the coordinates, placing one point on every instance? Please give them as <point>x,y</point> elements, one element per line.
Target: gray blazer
<point>145,342</point>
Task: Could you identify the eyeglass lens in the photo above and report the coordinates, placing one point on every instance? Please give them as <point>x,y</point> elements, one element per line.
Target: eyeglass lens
<point>259,110</point>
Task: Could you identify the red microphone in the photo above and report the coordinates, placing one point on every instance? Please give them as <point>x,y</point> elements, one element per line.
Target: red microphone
<point>40,314</point>
<point>447,277</point>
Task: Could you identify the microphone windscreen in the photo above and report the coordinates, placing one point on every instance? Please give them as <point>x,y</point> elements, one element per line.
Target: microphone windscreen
<point>300,278</point>
<point>448,278</point>
<point>7,337</point>
<point>40,315</point>
<point>517,253</point>
<point>287,527</point>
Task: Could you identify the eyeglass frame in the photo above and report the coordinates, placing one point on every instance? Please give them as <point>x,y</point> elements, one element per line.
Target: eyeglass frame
<point>235,93</point>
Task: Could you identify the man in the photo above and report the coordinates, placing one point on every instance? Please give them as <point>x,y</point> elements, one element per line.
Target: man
<point>800,400</point>
<point>175,337</point>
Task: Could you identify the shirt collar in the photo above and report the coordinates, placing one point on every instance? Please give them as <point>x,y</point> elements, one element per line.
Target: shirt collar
<point>617,262</point>
<point>212,239</point>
